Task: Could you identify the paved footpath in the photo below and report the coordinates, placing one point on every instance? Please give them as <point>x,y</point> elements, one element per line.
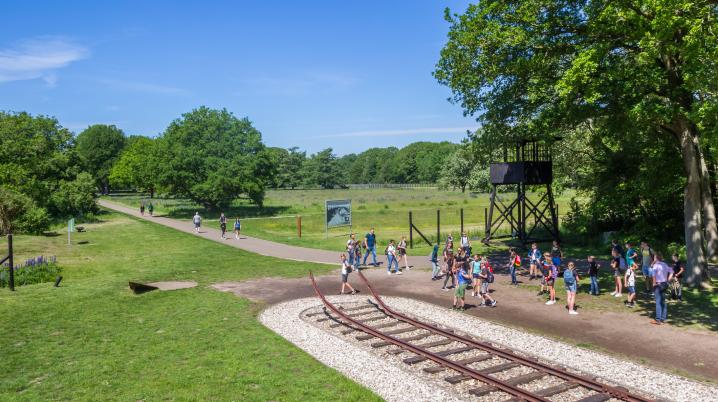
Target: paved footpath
<point>254,245</point>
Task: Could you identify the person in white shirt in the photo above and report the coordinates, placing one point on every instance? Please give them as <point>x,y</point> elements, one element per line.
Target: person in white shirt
<point>391,258</point>
<point>346,270</point>
<point>351,243</point>
<point>465,243</point>
<point>197,220</point>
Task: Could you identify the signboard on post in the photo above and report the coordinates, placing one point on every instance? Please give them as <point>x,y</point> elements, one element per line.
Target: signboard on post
<point>338,213</point>
<point>70,229</point>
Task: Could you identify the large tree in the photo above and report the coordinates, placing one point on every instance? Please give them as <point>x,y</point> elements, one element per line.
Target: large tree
<point>99,146</point>
<point>540,67</point>
<point>322,169</point>
<point>137,166</point>
<point>212,157</point>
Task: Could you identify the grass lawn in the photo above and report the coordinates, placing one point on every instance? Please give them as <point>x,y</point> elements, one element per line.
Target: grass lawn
<point>385,209</point>
<point>93,339</point>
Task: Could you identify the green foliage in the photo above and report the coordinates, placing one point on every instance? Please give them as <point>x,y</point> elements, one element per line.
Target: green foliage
<point>212,157</point>
<point>99,146</point>
<point>13,205</point>
<point>456,171</point>
<point>35,270</point>
<point>34,221</point>
<point>75,198</point>
<point>323,169</point>
<point>137,166</point>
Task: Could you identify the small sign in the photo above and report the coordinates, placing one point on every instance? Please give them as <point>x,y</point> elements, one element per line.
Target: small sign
<point>339,213</point>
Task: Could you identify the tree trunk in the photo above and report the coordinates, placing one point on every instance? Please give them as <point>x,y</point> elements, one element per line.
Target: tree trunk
<point>709,214</point>
<point>696,267</point>
<point>152,192</point>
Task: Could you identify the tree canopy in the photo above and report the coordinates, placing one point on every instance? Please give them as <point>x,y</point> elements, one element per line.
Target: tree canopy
<point>137,166</point>
<point>99,146</point>
<point>213,157</point>
<point>625,73</point>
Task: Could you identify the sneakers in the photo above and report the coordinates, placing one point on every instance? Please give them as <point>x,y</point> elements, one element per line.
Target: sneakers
<point>493,303</point>
<point>630,305</point>
<point>550,302</point>
<point>445,289</point>
<point>399,273</point>
<point>573,312</point>
<point>388,272</point>
<point>612,293</point>
<point>618,295</point>
<point>353,292</point>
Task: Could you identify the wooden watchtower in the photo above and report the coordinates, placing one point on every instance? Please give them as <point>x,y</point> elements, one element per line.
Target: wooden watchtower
<point>526,165</point>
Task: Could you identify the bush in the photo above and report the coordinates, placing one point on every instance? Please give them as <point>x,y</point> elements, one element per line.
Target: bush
<point>35,270</point>
<point>34,221</point>
<point>75,197</point>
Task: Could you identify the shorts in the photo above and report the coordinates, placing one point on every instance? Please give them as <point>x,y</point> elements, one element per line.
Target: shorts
<point>223,226</point>
<point>631,290</point>
<point>345,278</point>
<point>237,228</point>
<point>460,290</point>
<point>556,261</point>
<point>484,288</point>
<point>402,252</point>
<point>646,270</point>
<point>572,288</point>
<point>476,276</point>
<point>196,225</point>
<point>550,281</point>
<point>617,273</point>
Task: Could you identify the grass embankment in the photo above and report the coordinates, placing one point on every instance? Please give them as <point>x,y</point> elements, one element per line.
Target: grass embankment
<point>385,209</point>
<point>93,339</point>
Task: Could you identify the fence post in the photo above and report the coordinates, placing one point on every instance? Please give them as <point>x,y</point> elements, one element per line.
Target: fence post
<point>299,225</point>
<point>438,226</point>
<point>411,232</point>
<point>462,220</point>
<point>12,263</point>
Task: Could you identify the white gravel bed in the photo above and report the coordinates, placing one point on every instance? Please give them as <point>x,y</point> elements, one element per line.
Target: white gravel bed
<point>653,382</point>
<point>393,380</point>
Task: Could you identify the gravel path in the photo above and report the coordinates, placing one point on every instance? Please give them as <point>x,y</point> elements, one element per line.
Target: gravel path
<point>395,381</point>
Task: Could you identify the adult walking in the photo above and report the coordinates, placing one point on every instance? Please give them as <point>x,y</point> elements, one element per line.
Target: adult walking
<point>142,208</point>
<point>223,224</point>
<point>434,258</point>
<point>401,249</point>
<point>662,274</point>
<point>351,244</point>
<point>237,228</point>
<point>151,209</point>
<point>370,246</point>
<point>197,220</point>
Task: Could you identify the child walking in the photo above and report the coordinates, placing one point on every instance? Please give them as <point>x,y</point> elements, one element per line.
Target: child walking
<point>570,280</point>
<point>237,228</point>
<point>346,270</point>
<point>629,281</point>
<point>514,265</point>
<point>550,279</point>
<point>475,271</point>
<point>463,280</point>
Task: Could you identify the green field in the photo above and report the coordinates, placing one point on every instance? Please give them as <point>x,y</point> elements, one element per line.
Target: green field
<point>387,210</point>
<point>93,339</point>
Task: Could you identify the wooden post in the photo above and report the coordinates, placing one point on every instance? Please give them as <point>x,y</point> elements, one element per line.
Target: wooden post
<point>411,230</point>
<point>462,220</point>
<point>438,226</point>
<point>12,263</point>
<point>299,226</point>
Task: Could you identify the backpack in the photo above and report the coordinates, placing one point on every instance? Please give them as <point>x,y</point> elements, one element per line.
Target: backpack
<point>489,276</point>
<point>568,277</point>
<point>517,261</point>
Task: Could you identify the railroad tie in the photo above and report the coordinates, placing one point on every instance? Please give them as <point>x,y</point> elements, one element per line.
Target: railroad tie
<point>523,379</point>
<point>365,306</point>
<point>556,389</point>
<point>384,325</point>
<point>419,359</point>
<point>463,362</point>
<point>455,379</point>
<point>361,321</point>
<point>595,398</point>
<point>393,332</point>
<point>381,344</point>
<point>423,346</point>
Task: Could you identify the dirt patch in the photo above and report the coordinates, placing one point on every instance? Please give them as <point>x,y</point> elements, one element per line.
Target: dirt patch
<point>173,285</point>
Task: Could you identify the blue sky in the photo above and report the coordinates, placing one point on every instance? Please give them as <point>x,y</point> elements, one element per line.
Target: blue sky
<point>313,74</point>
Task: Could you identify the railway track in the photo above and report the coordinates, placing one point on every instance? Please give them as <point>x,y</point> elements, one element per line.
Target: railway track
<point>460,356</point>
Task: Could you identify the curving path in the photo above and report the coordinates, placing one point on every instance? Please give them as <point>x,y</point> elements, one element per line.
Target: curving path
<point>253,244</point>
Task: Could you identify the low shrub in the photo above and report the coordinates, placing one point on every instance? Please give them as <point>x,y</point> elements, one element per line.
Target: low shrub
<point>35,270</point>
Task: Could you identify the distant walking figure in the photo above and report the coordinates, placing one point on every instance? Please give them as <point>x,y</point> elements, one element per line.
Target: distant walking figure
<point>142,209</point>
<point>237,228</point>
<point>151,209</point>
<point>370,246</point>
<point>401,248</point>
<point>197,220</point>
<point>223,224</point>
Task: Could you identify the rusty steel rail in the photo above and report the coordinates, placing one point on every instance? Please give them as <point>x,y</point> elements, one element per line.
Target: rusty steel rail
<point>617,392</point>
<point>500,385</point>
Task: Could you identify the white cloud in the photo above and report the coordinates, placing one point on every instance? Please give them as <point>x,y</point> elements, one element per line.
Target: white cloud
<point>38,58</point>
<point>147,87</point>
<point>401,132</point>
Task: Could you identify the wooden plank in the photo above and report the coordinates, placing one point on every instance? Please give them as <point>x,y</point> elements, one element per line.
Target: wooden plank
<point>381,344</point>
<point>455,379</point>
<point>557,389</point>
<point>419,359</point>
<point>463,362</point>
<point>423,346</point>
<point>393,332</point>
<point>384,325</point>
<point>595,398</point>
<point>524,379</point>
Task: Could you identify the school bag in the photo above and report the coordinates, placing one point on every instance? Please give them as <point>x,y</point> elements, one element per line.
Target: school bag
<point>568,277</point>
<point>517,261</point>
<point>489,276</point>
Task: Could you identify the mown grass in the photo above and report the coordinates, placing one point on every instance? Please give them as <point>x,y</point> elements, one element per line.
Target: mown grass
<point>92,339</point>
<point>387,210</point>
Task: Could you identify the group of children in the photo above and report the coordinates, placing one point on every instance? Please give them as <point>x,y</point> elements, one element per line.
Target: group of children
<point>464,271</point>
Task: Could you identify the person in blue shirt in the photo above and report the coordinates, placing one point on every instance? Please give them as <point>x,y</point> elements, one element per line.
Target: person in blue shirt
<point>463,279</point>
<point>534,261</point>
<point>435,262</point>
<point>370,246</point>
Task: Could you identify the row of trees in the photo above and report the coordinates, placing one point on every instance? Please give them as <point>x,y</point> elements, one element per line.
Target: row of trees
<point>419,162</point>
